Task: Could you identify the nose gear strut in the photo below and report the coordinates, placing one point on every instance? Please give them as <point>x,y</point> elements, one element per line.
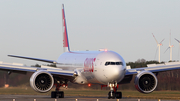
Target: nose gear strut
<point>113,91</point>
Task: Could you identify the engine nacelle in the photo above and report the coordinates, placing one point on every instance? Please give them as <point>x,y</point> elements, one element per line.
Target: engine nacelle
<point>42,81</point>
<point>145,82</point>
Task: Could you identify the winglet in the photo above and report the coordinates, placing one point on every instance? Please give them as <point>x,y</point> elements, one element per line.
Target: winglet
<point>65,35</point>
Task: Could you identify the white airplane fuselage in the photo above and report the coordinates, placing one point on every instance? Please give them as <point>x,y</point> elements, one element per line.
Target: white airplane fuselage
<point>96,67</point>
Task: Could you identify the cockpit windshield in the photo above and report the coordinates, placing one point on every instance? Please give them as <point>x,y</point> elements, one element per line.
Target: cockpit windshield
<point>113,63</point>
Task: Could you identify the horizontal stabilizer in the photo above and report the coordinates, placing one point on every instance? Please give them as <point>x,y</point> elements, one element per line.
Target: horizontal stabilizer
<point>37,59</point>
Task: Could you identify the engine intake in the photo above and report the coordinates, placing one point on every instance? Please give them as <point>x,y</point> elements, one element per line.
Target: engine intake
<point>41,81</point>
<point>145,82</point>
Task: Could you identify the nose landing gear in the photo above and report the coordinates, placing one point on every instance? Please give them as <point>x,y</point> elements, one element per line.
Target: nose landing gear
<point>113,91</point>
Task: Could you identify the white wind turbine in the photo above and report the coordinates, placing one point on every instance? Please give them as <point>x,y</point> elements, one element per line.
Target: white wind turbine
<point>170,47</point>
<point>158,46</point>
<point>179,46</point>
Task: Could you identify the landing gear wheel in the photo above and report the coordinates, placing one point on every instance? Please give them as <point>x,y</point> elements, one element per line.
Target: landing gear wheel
<point>61,94</point>
<point>111,95</point>
<point>55,94</point>
<point>118,95</point>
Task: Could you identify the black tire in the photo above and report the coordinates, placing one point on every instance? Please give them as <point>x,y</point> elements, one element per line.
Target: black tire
<point>118,95</point>
<point>109,95</point>
<point>53,94</point>
<point>113,95</point>
<point>61,94</point>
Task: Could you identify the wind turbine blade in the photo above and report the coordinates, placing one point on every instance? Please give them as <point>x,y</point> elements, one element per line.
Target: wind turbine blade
<point>155,38</point>
<point>161,41</point>
<point>178,50</point>
<point>166,49</point>
<point>170,39</point>
<point>177,40</point>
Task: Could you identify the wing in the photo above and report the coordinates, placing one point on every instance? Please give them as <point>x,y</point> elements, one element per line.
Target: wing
<point>155,68</point>
<point>37,59</point>
<point>23,69</point>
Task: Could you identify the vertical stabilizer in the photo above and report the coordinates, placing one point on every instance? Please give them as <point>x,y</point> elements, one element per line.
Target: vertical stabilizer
<point>65,35</point>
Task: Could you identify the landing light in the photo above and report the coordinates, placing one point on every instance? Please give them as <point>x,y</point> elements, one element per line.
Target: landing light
<point>89,85</point>
<point>103,50</point>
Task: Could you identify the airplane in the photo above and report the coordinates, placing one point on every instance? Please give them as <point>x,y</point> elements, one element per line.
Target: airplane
<point>103,67</point>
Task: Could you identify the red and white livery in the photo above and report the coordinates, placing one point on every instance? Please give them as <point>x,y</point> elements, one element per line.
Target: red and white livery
<point>103,67</point>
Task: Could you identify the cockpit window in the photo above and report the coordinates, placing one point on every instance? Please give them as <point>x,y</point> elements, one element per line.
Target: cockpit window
<point>107,63</point>
<point>113,63</point>
<point>118,63</point>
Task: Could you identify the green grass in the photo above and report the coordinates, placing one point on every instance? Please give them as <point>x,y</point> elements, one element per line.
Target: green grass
<point>94,93</point>
<point>153,95</point>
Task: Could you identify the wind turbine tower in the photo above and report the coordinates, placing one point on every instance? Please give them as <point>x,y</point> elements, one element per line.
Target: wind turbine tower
<point>179,46</point>
<point>170,47</point>
<point>158,45</point>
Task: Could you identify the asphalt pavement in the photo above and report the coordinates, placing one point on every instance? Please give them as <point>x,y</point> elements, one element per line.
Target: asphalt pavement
<point>67,98</point>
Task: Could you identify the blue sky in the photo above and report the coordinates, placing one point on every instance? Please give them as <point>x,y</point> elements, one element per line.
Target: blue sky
<point>34,28</point>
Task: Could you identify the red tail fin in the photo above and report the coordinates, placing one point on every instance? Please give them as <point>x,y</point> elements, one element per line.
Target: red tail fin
<point>65,35</point>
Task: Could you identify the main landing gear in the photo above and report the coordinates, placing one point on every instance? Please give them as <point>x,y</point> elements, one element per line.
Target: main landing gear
<point>57,93</point>
<point>113,91</point>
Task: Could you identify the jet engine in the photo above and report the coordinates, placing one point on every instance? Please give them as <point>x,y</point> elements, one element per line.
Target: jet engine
<point>145,82</point>
<point>41,81</point>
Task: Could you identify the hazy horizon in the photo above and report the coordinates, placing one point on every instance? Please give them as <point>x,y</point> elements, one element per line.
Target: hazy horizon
<point>34,28</point>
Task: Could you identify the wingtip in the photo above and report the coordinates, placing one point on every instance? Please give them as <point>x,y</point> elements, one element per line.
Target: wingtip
<point>62,6</point>
<point>9,55</point>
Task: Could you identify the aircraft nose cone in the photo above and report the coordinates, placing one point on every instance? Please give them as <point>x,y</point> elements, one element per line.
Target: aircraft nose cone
<point>114,73</point>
